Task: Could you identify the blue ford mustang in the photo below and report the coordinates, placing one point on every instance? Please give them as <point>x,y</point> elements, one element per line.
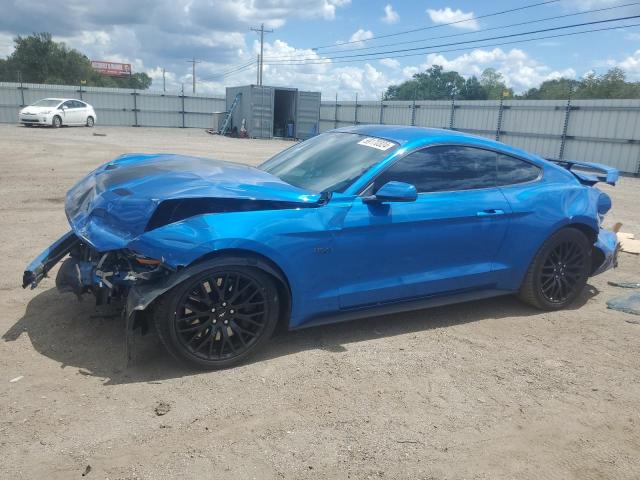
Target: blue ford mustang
<point>352,223</point>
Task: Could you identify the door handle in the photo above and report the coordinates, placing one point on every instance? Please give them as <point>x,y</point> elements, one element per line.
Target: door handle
<point>490,212</point>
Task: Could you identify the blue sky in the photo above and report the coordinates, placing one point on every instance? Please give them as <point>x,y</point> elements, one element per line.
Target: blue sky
<point>156,34</point>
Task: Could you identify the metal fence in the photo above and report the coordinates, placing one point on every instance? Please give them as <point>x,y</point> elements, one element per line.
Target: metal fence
<point>605,131</point>
<point>119,106</point>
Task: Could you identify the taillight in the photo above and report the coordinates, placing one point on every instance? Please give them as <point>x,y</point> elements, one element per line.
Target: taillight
<point>604,203</point>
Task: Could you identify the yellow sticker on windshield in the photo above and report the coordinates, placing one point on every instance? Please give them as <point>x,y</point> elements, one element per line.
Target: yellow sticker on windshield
<point>377,143</point>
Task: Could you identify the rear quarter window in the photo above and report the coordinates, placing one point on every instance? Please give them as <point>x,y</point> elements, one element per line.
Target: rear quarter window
<point>512,170</point>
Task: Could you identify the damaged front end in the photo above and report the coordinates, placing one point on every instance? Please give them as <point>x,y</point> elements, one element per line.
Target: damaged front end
<point>108,276</point>
<point>115,250</point>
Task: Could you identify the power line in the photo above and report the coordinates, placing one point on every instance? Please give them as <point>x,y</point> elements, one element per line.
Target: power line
<point>493,14</point>
<point>529,22</point>
<point>525,40</point>
<point>236,68</point>
<point>388,52</point>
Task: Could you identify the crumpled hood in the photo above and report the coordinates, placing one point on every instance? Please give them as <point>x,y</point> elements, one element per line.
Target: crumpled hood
<point>113,204</point>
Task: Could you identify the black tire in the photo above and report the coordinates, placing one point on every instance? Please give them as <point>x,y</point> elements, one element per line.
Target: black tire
<point>27,125</point>
<point>558,272</point>
<point>56,122</point>
<point>90,121</point>
<point>218,318</point>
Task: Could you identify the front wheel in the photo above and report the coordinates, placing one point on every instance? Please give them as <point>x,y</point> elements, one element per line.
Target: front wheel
<point>56,122</point>
<point>219,317</point>
<point>558,272</point>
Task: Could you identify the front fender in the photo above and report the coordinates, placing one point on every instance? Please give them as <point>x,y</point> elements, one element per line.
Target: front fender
<point>143,295</point>
<point>140,297</point>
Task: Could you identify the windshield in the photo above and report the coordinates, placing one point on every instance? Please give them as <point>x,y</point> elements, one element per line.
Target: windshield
<point>47,102</point>
<point>329,162</point>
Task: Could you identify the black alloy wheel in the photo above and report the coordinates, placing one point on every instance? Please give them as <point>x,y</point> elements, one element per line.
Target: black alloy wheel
<point>562,271</point>
<point>218,318</point>
<point>559,271</point>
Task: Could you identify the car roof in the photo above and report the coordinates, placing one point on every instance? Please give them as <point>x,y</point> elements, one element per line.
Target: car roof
<point>403,134</point>
<point>61,99</point>
<point>417,137</point>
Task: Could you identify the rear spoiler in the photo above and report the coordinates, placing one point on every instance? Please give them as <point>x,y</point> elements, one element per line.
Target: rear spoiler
<point>589,173</point>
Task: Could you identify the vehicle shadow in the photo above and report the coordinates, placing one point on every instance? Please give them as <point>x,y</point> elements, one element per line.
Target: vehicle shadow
<point>79,335</point>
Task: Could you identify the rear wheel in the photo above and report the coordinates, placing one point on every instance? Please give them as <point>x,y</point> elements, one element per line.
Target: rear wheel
<point>218,318</point>
<point>56,122</point>
<point>558,272</point>
<point>90,121</point>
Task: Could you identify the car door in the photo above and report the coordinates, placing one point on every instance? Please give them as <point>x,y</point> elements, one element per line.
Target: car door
<point>80,114</point>
<point>534,215</point>
<point>66,112</point>
<point>444,242</point>
<point>77,112</point>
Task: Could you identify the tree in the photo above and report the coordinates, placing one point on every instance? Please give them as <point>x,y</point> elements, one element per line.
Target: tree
<point>493,84</point>
<point>437,84</point>
<point>473,90</point>
<point>433,84</point>
<point>613,84</point>
<point>558,88</point>
<point>41,60</point>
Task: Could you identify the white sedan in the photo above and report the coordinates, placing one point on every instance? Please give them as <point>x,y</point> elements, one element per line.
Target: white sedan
<point>57,112</point>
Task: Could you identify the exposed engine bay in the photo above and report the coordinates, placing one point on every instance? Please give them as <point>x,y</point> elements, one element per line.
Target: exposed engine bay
<point>107,275</point>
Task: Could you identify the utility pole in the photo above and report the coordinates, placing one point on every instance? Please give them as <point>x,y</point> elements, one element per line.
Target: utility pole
<point>193,71</point>
<point>164,83</point>
<point>262,32</point>
<point>258,71</point>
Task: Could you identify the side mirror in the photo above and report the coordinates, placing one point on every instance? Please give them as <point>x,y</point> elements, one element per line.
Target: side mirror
<point>393,192</point>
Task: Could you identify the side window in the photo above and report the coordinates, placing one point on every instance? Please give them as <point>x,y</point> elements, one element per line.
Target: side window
<point>68,104</point>
<point>445,168</point>
<point>513,170</point>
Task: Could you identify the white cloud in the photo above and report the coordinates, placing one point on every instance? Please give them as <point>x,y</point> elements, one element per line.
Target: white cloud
<point>390,62</point>
<point>361,35</point>
<point>631,65</point>
<point>326,77</point>
<point>447,15</point>
<point>634,37</point>
<point>6,44</point>
<point>329,7</point>
<point>519,70</point>
<point>390,15</point>
<point>214,31</point>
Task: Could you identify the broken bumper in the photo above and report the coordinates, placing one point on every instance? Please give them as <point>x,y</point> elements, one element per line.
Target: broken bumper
<point>44,262</point>
<point>608,246</point>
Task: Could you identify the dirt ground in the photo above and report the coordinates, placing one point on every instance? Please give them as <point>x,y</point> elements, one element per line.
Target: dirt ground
<point>485,390</point>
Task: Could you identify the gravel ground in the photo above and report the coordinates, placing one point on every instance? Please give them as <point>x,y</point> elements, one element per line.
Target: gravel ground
<point>484,390</point>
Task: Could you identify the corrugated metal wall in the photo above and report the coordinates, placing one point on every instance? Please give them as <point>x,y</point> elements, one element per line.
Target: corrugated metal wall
<point>604,131</point>
<point>119,106</point>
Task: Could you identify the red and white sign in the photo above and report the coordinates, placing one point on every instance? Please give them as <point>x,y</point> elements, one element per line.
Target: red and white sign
<point>111,68</point>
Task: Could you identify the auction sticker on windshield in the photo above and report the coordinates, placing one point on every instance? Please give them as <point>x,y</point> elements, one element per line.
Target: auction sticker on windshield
<point>377,143</point>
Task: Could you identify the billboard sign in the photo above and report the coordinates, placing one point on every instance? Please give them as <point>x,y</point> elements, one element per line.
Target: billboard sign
<point>111,68</point>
